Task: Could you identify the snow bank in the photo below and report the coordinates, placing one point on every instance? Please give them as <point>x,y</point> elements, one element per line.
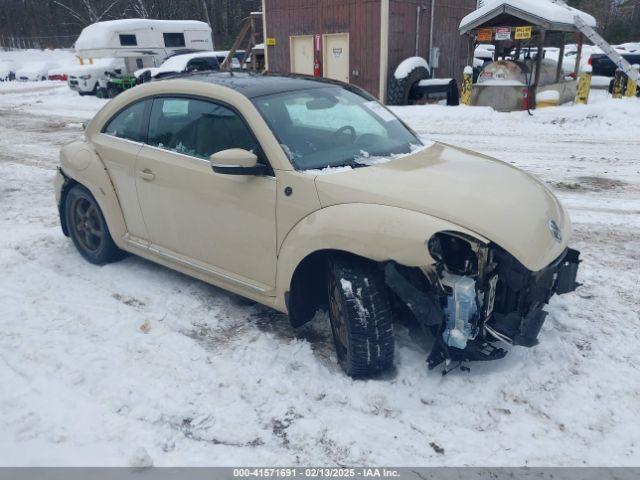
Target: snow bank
<point>545,9</point>
<point>35,64</point>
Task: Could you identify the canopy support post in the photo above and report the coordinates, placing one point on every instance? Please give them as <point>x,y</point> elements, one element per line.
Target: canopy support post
<point>541,38</point>
<point>579,54</point>
<point>560,57</point>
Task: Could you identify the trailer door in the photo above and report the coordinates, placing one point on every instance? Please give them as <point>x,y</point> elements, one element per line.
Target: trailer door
<point>302,54</point>
<point>336,56</point>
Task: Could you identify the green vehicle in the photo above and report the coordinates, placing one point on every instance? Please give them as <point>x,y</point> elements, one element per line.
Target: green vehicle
<point>115,84</point>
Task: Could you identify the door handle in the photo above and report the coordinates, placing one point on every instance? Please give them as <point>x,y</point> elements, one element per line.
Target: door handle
<point>147,175</point>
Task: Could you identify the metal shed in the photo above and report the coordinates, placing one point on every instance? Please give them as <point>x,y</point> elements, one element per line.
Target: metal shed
<point>363,41</point>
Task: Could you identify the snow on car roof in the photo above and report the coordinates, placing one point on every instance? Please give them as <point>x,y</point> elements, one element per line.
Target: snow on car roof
<point>178,63</point>
<point>547,11</point>
<point>97,35</point>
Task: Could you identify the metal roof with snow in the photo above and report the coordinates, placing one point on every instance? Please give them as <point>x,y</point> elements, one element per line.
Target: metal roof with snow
<point>546,14</point>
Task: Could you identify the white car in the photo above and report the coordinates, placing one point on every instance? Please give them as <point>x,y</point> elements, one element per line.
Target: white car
<point>188,62</point>
<point>85,79</point>
<point>7,70</point>
<point>35,71</point>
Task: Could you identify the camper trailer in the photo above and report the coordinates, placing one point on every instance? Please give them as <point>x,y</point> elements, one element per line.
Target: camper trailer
<point>143,43</point>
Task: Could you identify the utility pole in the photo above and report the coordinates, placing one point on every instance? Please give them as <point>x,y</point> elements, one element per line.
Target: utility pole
<point>207,17</point>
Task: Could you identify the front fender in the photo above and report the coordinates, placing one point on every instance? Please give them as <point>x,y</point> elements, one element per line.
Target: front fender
<point>80,162</point>
<point>376,232</point>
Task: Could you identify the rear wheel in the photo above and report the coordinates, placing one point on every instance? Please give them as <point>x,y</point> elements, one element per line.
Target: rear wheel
<point>88,228</point>
<point>361,316</point>
<point>112,91</point>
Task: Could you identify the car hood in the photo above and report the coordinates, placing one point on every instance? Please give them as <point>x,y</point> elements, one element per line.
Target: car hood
<point>497,201</point>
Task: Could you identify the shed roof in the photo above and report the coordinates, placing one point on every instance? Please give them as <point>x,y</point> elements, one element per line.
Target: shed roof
<point>546,14</point>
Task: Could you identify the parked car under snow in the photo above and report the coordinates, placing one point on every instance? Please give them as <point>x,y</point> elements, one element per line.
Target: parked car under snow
<point>7,70</point>
<point>35,71</point>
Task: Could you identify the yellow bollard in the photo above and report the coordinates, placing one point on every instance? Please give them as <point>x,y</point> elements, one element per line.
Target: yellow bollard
<point>81,60</point>
<point>467,86</point>
<point>584,85</point>
<point>617,84</point>
<point>632,86</point>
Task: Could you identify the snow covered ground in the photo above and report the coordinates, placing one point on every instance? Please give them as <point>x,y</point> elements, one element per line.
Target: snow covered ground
<point>132,364</point>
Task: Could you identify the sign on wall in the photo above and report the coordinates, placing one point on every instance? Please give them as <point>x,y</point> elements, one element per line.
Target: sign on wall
<point>522,33</point>
<point>271,42</point>
<point>503,33</point>
<point>484,35</point>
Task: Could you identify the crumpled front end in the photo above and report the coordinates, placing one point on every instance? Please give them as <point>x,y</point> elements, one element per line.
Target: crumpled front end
<point>477,296</point>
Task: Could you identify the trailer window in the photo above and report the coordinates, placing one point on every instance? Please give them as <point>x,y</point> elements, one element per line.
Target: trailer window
<point>128,40</point>
<point>173,39</point>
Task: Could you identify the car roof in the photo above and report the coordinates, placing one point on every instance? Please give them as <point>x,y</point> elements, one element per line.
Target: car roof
<point>254,85</point>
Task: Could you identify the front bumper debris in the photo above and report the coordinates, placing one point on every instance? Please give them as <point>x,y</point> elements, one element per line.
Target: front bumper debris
<point>510,301</point>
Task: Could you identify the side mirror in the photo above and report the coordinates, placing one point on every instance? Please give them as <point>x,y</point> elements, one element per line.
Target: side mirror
<point>236,161</point>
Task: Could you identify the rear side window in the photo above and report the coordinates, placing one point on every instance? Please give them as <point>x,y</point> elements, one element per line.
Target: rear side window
<point>130,123</point>
<point>173,39</point>
<point>128,40</point>
<point>203,64</point>
<point>196,127</point>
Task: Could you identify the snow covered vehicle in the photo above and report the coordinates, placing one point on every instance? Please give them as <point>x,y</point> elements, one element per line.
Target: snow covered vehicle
<point>142,45</point>
<point>304,194</point>
<point>85,79</point>
<point>35,71</point>
<point>7,71</point>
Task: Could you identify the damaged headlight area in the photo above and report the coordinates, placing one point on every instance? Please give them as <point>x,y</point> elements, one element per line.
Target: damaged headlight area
<point>478,295</point>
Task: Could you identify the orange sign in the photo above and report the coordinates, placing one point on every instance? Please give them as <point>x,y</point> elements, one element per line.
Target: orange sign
<point>484,35</point>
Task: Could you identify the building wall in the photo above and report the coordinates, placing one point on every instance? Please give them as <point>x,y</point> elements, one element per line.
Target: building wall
<point>454,48</point>
<point>447,16</point>
<point>359,18</point>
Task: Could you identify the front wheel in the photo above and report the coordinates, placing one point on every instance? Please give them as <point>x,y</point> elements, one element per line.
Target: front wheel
<point>361,316</point>
<point>88,228</point>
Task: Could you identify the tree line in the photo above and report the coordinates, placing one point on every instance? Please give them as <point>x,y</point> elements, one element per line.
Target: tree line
<point>57,23</point>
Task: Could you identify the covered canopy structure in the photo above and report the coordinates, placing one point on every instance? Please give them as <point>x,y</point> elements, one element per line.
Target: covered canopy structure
<point>514,24</point>
<point>545,14</point>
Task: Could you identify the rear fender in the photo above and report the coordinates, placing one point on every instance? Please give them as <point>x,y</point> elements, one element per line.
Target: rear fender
<point>80,162</point>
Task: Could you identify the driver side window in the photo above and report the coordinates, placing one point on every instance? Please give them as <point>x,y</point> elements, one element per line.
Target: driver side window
<point>197,128</point>
<point>129,123</point>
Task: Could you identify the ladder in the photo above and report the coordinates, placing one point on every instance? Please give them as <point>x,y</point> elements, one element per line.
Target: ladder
<point>600,42</point>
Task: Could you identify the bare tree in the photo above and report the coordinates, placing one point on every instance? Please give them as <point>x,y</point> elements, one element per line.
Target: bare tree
<point>89,12</point>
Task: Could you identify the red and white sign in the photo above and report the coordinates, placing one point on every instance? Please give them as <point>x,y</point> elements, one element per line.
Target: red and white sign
<point>503,33</point>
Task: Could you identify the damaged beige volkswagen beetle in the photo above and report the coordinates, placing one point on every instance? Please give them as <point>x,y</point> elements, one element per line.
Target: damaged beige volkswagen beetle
<point>302,194</point>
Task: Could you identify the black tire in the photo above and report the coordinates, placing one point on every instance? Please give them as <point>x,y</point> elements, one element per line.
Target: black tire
<point>88,228</point>
<point>361,316</point>
<point>399,91</point>
<point>112,91</point>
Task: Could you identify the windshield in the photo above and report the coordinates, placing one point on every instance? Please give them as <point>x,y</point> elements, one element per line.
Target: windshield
<point>331,127</point>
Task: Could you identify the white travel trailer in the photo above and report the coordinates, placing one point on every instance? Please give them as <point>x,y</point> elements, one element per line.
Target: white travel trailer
<point>143,43</point>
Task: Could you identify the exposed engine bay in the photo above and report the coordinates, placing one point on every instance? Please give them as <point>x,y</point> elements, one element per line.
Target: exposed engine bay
<point>478,295</point>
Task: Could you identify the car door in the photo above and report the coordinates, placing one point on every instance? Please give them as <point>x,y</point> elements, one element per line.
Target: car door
<point>224,224</point>
<point>118,146</point>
